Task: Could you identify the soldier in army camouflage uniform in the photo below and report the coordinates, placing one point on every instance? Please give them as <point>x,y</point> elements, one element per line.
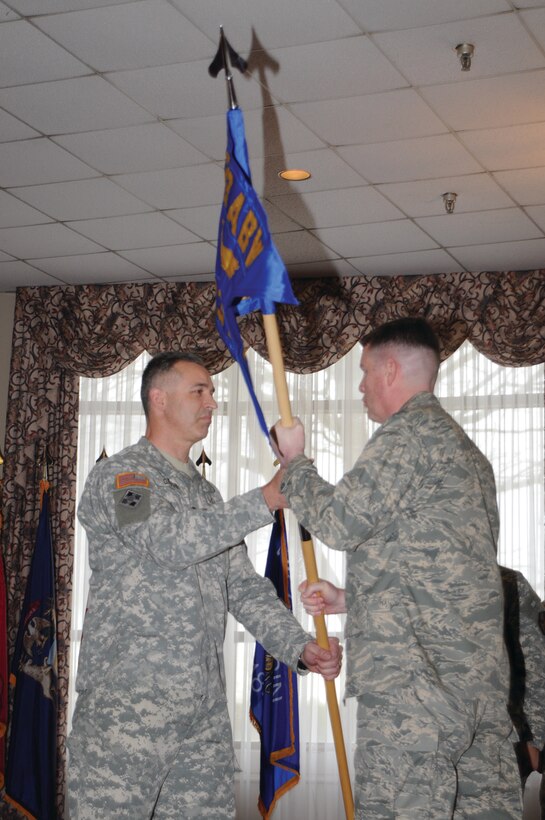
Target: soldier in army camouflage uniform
<point>524,627</point>
<point>426,660</point>
<point>151,734</point>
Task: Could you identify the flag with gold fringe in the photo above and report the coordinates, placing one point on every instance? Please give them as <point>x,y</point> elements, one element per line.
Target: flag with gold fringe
<point>32,755</point>
<point>273,705</point>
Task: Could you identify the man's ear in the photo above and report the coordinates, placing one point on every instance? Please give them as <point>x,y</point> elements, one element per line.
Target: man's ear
<point>157,398</point>
<point>391,369</point>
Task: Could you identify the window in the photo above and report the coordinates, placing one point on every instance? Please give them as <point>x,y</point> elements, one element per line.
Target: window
<point>500,408</point>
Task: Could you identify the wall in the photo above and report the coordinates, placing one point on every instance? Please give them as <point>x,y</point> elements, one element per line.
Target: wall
<point>7,308</point>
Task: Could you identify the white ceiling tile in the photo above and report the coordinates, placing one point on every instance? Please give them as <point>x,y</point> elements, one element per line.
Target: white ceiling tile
<point>325,209</point>
<point>340,68</point>
<point>381,15</point>
<point>520,146</point>
<point>306,21</point>
<point>475,192</point>
<point>301,246</point>
<point>31,7</point>
<point>414,263</point>
<point>527,255</point>
<point>209,133</point>
<point>427,56</point>
<point>38,241</point>
<point>13,212</point>
<point>91,268</point>
<point>37,161</point>
<point>18,274</point>
<point>13,129</point>
<point>64,106</point>
<point>184,90</point>
<point>144,33</point>
<point>149,147</point>
<point>278,221</point>
<point>6,14</point>
<point>203,221</point>
<point>475,104</point>
<point>134,231</point>
<point>81,199</point>
<point>535,20</point>
<point>403,160</point>
<point>328,171</point>
<point>371,239</point>
<point>371,118</point>
<point>503,225</point>
<point>537,213</point>
<point>527,187</point>
<point>273,130</point>
<point>175,260</point>
<point>28,56</point>
<point>177,188</point>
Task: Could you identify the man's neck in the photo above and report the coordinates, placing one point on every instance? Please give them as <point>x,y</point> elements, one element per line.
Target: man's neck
<point>165,443</point>
<point>405,396</point>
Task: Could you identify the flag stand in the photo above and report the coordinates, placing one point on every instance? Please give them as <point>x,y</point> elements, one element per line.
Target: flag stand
<point>275,356</point>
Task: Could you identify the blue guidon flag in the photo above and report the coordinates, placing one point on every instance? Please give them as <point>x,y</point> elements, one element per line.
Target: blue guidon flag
<point>250,274</point>
<point>32,756</point>
<point>273,703</point>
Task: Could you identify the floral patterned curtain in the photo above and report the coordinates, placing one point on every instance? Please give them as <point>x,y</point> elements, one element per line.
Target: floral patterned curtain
<point>61,333</point>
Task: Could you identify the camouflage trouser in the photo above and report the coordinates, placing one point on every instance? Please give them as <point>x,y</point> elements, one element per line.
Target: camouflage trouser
<point>131,757</point>
<point>417,760</point>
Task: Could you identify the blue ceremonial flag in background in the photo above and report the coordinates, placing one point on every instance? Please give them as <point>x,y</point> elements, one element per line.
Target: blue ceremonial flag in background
<point>273,705</point>
<point>250,274</point>
<point>31,764</point>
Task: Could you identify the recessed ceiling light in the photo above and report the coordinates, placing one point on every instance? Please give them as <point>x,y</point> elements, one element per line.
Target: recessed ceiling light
<point>294,174</point>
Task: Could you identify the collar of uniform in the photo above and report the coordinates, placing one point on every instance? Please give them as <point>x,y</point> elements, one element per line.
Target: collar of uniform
<point>418,400</point>
<point>185,467</point>
<point>188,469</point>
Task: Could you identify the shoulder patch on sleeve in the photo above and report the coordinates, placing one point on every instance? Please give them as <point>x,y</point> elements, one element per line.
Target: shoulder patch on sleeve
<point>132,498</point>
<point>123,480</point>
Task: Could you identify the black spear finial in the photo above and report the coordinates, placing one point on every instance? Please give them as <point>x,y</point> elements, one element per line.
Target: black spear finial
<point>204,460</point>
<point>103,455</point>
<point>225,53</point>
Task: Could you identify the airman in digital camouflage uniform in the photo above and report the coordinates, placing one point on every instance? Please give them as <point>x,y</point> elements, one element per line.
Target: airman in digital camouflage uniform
<point>151,735</point>
<point>524,626</point>
<point>426,661</point>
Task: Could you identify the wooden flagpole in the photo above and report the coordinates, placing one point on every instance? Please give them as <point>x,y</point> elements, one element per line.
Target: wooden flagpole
<point>275,355</point>
<point>220,61</point>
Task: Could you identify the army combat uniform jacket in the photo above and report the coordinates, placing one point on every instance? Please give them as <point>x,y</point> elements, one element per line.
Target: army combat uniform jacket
<point>418,519</point>
<point>168,563</point>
